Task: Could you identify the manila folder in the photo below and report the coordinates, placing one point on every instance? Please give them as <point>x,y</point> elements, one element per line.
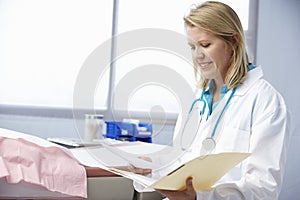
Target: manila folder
<point>205,171</point>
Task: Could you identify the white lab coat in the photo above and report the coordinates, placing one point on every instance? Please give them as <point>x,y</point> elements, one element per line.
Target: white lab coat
<point>257,121</point>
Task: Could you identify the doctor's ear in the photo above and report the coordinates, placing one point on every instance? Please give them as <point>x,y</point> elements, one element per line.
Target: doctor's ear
<point>235,39</point>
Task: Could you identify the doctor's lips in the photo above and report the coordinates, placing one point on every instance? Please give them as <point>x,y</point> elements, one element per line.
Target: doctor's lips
<point>204,65</point>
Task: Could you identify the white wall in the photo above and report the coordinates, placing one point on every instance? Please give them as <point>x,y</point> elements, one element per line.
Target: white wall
<point>278,52</point>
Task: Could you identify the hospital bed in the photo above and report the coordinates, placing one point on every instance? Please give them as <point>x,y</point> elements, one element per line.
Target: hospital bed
<point>101,184</point>
<point>98,183</point>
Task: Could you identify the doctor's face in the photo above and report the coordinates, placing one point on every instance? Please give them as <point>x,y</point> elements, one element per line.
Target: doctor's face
<point>210,53</point>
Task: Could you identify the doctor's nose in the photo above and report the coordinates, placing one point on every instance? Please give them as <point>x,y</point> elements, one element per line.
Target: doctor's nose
<point>199,55</point>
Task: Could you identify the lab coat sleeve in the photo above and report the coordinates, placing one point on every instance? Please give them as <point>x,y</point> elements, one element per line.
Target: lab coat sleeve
<point>263,170</point>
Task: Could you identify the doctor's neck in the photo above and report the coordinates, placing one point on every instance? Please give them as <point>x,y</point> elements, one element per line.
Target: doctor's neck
<point>217,84</point>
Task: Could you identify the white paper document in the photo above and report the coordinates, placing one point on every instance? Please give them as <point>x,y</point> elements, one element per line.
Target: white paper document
<point>170,174</point>
<point>115,154</point>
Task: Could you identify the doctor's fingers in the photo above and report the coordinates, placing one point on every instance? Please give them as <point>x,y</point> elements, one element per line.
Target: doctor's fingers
<point>189,185</point>
<point>145,158</point>
<point>140,171</point>
<point>188,193</point>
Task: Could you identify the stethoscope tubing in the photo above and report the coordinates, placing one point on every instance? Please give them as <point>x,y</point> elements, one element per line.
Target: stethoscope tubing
<point>203,109</point>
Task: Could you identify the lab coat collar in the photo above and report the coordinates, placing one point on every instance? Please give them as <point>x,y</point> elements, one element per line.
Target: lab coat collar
<point>210,88</point>
<point>252,77</point>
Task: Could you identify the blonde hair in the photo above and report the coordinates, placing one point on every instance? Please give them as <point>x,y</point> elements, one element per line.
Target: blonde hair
<point>221,20</point>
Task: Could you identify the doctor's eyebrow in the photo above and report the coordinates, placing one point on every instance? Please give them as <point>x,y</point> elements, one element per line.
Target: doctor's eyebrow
<point>205,41</point>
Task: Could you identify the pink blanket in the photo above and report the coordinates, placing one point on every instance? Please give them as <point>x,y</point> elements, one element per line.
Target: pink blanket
<point>46,165</point>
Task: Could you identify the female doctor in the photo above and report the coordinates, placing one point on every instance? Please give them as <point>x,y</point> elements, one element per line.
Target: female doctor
<point>241,112</point>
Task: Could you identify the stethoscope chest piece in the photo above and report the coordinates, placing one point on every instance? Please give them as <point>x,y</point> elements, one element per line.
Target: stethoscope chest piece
<point>208,144</point>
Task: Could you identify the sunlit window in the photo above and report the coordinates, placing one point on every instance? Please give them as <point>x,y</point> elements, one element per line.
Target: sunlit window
<point>165,15</point>
<point>43,44</point>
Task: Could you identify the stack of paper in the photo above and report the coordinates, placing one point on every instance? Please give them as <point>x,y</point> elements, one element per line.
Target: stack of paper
<point>205,170</point>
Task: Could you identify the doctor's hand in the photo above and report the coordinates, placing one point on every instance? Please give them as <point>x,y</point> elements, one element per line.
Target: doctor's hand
<point>140,171</point>
<point>136,170</point>
<point>188,194</point>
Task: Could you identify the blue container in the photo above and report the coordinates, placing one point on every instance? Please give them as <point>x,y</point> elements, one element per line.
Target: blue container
<point>129,132</point>
<point>144,130</point>
<point>120,130</point>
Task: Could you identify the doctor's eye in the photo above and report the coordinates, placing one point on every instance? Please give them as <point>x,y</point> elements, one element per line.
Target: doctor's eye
<point>205,45</point>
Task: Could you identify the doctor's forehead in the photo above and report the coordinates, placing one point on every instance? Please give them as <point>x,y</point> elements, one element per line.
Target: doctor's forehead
<point>196,35</point>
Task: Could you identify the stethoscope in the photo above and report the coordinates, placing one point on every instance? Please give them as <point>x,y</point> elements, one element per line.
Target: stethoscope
<point>209,143</point>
